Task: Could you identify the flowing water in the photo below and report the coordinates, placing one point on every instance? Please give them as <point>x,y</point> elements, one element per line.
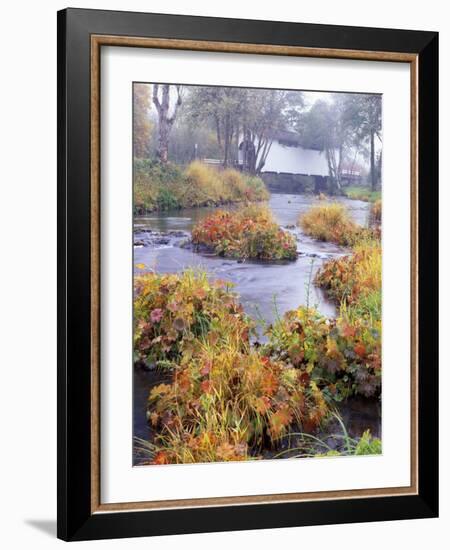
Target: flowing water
<point>266,290</point>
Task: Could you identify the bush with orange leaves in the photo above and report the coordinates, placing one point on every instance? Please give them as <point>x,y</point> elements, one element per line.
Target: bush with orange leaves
<point>342,356</point>
<point>247,233</point>
<point>227,402</point>
<point>171,311</point>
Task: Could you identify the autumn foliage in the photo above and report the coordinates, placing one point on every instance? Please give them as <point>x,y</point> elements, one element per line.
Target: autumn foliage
<point>342,356</point>
<point>375,212</point>
<point>247,233</point>
<point>226,403</point>
<point>222,397</point>
<point>226,400</point>
<point>332,223</point>
<point>355,280</point>
<point>172,310</point>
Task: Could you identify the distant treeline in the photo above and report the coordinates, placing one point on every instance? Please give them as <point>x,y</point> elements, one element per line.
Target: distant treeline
<point>184,123</point>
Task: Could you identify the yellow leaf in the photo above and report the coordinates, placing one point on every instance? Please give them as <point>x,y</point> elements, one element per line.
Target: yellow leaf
<point>141,266</point>
<point>157,391</point>
<point>310,367</point>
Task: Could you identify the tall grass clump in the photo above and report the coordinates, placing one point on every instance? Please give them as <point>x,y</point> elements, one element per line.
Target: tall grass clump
<point>375,213</point>
<point>166,186</point>
<point>225,400</point>
<point>330,222</point>
<point>355,280</point>
<point>228,403</point>
<point>155,185</point>
<point>343,355</point>
<point>249,232</point>
<point>204,186</point>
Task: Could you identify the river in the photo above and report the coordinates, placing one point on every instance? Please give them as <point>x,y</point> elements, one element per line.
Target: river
<point>265,289</point>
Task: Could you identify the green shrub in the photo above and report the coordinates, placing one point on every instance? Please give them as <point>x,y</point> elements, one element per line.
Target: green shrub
<point>166,200</point>
<point>361,193</point>
<point>368,445</point>
<point>155,185</point>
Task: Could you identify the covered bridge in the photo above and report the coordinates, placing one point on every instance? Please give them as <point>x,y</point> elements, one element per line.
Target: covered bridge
<point>289,167</point>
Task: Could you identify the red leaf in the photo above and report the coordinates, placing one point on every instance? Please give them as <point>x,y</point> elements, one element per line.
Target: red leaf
<point>360,349</point>
<point>206,386</point>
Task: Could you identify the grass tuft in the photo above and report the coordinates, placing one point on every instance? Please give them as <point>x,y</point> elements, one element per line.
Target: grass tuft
<point>355,279</point>
<point>375,213</point>
<point>332,223</point>
<point>361,193</point>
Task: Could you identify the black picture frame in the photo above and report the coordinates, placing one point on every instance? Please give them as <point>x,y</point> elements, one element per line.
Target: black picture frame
<point>75,518</point>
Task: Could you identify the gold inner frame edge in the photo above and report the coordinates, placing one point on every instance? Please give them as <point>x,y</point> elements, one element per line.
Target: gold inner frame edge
<point>97,41</point>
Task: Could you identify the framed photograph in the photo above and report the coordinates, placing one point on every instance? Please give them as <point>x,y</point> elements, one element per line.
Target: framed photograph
<point>247,254</point>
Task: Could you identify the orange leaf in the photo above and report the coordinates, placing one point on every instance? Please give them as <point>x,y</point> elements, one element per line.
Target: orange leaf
<point>161,458</point>
<point>279,420</point>
<point>348,331</point>
<point>206,386</point>
<point>270,384</point>
<point>360,349</point>
<point>262,404</point>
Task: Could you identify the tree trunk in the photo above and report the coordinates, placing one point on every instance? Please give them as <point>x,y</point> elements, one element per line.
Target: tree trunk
<point>164,121</point>
<point>373,176</point>
<point>236,135</point>
<point>218,133</point>
<point>333,171</point>
<point>227,142</point>
<point>264,154</point>
<point>330,172</point>
<point>163,141</point>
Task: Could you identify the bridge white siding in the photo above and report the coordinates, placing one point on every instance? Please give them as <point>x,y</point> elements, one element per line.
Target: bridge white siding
<point>295,160</point>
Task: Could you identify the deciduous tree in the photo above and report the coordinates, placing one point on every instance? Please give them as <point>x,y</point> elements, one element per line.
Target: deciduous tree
<point>142,122</point>
<point>368,121</point>
<point>165,119</point>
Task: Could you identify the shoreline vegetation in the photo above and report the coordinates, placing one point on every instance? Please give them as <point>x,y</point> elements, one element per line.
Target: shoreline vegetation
<point>362,193</point>
<point>226,396</point>
<point>331,222</point>
<point>161,187</point>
